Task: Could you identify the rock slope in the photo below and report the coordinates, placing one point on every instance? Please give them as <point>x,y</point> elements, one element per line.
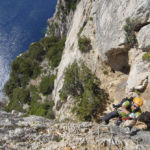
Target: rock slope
<point>37,133</point>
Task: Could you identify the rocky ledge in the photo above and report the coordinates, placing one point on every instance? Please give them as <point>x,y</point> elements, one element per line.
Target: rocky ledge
<point>33,133</point>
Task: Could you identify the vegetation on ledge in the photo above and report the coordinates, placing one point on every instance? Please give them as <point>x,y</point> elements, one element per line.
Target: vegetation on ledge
<point>129,28</point>
<point>146,56</point>
<point>84,44</point>
<point>80,83</point>
<point>27,67</point>
<point>69,5</point>
<point>47,84</point>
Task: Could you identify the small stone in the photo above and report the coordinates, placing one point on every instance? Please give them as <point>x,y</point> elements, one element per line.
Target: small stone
<point>67,148</point>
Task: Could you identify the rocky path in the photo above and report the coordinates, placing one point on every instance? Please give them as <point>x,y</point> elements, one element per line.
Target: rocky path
<point>34,133</point>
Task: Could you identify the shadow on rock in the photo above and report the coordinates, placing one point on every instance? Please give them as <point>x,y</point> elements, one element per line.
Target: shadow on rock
<point>145,117</point>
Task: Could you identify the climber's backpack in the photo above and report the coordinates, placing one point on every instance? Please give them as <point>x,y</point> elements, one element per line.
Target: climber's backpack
<point>123,100</point>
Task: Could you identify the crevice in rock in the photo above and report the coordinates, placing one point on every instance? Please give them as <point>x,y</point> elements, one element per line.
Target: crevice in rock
<point>118,60</point>
<point>140,25</point>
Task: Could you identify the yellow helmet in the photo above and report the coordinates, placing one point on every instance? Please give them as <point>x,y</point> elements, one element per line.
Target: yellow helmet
<point>138,101</point>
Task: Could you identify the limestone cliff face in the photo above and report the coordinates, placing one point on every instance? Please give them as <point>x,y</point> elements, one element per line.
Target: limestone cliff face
<point>121,70</point>
<point>61,21</point>
<point>104,26</point>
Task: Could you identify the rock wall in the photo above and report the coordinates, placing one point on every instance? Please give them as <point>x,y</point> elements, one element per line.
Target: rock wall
<point>60,23</point>
<point>71,52</point>
<point>110,19</point>
<point>104,26</point>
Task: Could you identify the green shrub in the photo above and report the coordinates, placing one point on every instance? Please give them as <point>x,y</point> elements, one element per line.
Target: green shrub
<point>36,51</point>
<point>59,139</point>
<point>91,18</point>
<point>84,44</point>
<point>129,28</point>
<point>146,56</point>
<point>71,5</point>
<point>19,97</point>
<point>47,84</point>
<point>54,52</point>
<point>49,41</point>
<point>80,83</point>
<point>27,67</point>
<point>105,72</point>
<point>81,29</point>
<point>23,69</point>
<point>42,109</point>
<point>38,108</point>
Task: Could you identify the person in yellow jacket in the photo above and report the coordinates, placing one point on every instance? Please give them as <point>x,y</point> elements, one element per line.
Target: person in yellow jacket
<point>129,109</point>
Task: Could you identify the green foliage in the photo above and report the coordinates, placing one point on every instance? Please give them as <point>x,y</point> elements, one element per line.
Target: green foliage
<point>146,56</point>
<point>91,18</point>
<point>105,72</point>
<point>81,29</point>
<point>42,109</point>
<point>49,41</point>
<point>47,84</point>
<point>36,51</point>
<point>59,139</point>
<point>19,97</point>
<point>71,5</point>
<point>38,108</point>
<point>54,52</point>
<point>129,28</point>
<point>27,67</point>
<point>64,9</point>
<point>84,44</point>
<point>80,83</point>
<point>24,68</point>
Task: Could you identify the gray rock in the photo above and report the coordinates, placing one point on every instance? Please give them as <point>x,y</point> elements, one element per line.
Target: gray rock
<point>3,103</point>
<point>110,19</point>
<point>143,38</point>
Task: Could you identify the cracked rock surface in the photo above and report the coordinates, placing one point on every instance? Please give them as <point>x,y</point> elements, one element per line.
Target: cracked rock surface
<point>32,133</point>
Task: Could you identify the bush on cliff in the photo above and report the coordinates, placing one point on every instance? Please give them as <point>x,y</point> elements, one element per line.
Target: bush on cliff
<point>27,67</point>
<point>146,56</point>
<point>24,68</point>
<point>20,96</point>
<point>80,83</point>
<point>47,84</point>
<point>129,28</point>
<point>54,52</point>
<point>69,5</point>
<point>42,109</point>
<point>84,44</point>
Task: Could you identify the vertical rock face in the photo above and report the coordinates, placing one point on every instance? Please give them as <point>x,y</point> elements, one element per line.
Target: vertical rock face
<point>61,22</point>
<point>71,51</point>
<point>139,77</point>
<point>104,26</point>
<point>143,37</point>
<point>110,18</point>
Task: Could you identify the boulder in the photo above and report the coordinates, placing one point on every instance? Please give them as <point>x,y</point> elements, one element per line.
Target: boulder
<point>139,72</point>
<point>139,77</point>
<point>143,38</point>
